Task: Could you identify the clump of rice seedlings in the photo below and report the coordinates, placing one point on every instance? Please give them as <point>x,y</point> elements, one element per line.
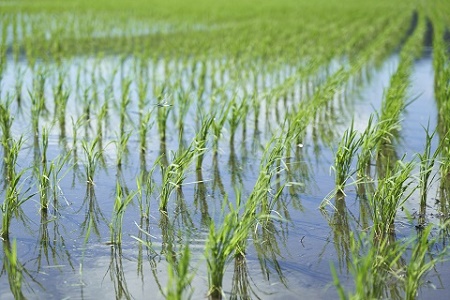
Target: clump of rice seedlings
<point>345,153</point>
<point>179,275</point>
<point>13,269</point>
<point>60,96</point>
<point>223,242</point>
<point>145,187</point>
<point>427,160</point>
<point>6,121</point>
<point>369,140</point>
<point>18,87</point>
<point>419,264</point>
<point>144,126</point>
<point>173,174</point>
<point>121,202</point>
<point>43,173</point>
<point>13,200</point>
<point>392,191</point>
<point>201,140</point>
<point>163,110</point>
<point>372,265</point>
<point>217,126</point>
<point>183,105</point>
<point>380,270</point>
<point>92,155</point>
<point>121,148</point>
<point>238,111</point>
<point>124,104</point>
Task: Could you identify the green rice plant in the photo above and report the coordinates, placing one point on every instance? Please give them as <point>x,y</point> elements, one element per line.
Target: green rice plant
<point>124,104</point>
<point>121,202</point>
<point>163,110</point>
<point>201,140</point>
<point>418,265</point>
<point>229,240</point>
<point>101,123</point>
<point>44,173</point>
<point>179,275</point>
<point>238,112</point>
<point>144,127</point>
<point>373,264</point>
<point>392,191</point>
<point>183,105</point>
<point>18,87</point>
<point>121,148</point>
<point>427,160</point>
<point>222,243</point>
<point>92,155</point>
<point>6,121</point>
<point>3,49</point>
<point>145,187</point>
<point>345,153</point>
<point>379,268</point>
<point>13,199</point>
<point>217,125</point>
<point>369,139</point>
<point>173,174</point>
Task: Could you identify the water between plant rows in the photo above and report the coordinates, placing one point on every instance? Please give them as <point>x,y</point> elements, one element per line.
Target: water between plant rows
<point>59,263</point>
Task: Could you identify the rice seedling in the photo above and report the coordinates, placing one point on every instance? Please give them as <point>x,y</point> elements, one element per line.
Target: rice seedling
<point>201,140</point>
<point>121,202</point>
<point>217,126</point>
<point>179,275</point>
<point>343,158</point>
<point>427,160</point>
<point>6,121</point>
<point>173,174</point>
<point>121,148</point>
<point>14,196</point>
<point>238,111</point>
<point>392,191</point>
<point>44,173</point>
<point>144,126</point>
<point>419,264</point>
<point>124,104</point>
<point>92,155</point>
<point>222,243</point>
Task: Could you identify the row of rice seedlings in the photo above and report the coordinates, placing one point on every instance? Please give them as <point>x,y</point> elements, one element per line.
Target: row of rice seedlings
<point>394,102</point>
<point>394,186</point>
<point>441,66</point>
<point>60,41</point>
<point>338,79</point>
<point>380,135</point>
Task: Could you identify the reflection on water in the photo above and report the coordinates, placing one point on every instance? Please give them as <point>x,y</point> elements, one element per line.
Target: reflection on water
<point>157,107</point>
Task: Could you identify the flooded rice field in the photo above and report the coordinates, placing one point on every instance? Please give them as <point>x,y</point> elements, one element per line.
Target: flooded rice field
<point>234,174</point>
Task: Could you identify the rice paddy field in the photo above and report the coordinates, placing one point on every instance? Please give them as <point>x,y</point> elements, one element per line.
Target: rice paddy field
<point>245,149</point>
